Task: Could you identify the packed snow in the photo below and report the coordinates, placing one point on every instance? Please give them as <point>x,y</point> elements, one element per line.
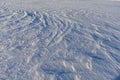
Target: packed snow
<point>59,40</point>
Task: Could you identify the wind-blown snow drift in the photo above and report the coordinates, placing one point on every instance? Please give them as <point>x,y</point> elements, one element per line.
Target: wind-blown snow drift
<point>59,40</point>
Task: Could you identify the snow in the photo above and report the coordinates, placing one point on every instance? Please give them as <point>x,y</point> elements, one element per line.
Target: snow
<point>59,40</point>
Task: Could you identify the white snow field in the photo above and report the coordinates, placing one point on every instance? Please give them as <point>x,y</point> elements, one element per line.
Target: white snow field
<point>59,40</point>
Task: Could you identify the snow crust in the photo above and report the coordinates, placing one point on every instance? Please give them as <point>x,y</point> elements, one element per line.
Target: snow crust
<point>59,40</point>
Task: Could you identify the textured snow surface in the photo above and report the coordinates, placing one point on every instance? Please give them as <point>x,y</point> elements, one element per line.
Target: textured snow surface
<point>79,40</point>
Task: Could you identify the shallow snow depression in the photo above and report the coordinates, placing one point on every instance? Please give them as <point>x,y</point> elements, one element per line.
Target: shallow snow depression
<point>59,40</point>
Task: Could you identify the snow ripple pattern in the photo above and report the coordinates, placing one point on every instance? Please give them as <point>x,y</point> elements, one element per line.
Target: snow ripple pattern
<point>59,45</point>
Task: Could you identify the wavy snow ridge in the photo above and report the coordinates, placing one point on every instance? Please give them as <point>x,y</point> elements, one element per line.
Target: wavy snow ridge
<point>77,44</point>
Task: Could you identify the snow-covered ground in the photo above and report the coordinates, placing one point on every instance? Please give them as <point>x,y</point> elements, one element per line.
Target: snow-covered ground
<point>59,40</point>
